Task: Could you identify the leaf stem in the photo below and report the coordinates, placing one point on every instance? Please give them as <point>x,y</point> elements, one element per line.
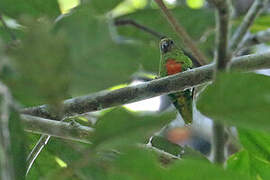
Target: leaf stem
<point>241,31</point>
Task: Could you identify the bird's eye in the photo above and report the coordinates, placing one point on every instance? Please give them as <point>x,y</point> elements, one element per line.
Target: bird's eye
<point>171,42</point>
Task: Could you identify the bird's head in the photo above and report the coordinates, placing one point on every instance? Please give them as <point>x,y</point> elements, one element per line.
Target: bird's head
<point>166,45</point>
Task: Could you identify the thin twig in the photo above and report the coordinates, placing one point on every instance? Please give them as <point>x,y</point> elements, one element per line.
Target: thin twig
<point>241,31</point>
<point>12,35</point>
<point>43,140</point>
<point>7,170</point>
<point>181,32</point>
<point>254,39</point>
<point>157,87</point>
<point>121,22</point>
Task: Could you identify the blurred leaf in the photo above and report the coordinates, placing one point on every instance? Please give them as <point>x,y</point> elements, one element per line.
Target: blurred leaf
<point>104,6</point>
<point>67,5</point>
<point>195,4</point>
<point>240,99</point>
<point>138,164</point>
<point>18,145</point>
<point>153,19</point>
<point>143,164</point>
<point>200,170</point>
<point>261,23</point>
<point>98,62</point>
<point>120,127</point>
<point>34,8</point>
<point>163,144</point>
<point>42,64</point>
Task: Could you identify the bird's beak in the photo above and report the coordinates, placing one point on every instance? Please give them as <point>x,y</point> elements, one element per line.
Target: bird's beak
<point>164,47</point>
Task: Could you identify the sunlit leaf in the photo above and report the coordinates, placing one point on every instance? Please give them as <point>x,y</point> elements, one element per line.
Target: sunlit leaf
<point>195,4</point>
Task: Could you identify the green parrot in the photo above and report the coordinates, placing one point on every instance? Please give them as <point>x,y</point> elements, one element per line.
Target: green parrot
<point>172,61</point>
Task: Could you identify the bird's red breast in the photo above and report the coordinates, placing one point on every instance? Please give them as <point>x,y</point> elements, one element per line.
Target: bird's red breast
<point>173,66</point>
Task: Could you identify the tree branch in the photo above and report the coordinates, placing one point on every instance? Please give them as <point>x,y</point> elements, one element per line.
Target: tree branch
<point>223,9</point>
<point>65,130</point>
<point>181,32</point>
<point>241,31</point>
<point>222,32</point>
<point>48,128</point>
<point>121,22</point>
<point>258,38</point>
<point>157,87</point>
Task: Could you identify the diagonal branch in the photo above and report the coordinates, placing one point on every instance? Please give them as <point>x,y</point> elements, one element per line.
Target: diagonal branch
<point>43,140</point>
<point>258,38</point>
<point>181,32</point>
<point>121,22</point>
<point>241,31</point>
<point>157,87</point>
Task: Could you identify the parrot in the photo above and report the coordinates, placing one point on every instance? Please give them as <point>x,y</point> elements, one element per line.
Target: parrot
<point>172,61</point>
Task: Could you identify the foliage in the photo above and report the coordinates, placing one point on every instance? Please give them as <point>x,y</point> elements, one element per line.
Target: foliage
<point>60,56</point>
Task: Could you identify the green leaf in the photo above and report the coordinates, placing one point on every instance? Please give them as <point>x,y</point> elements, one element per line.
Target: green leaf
<point>120,127</point>
<point>98,61</point>
<point>18,144</point>
<point>153,19</point>
<point>240,99</point>
<point>102,7</point>
<point>256,143</point>
<point>138,164</point>
<point>254,159</point>
<point>34,8</point>
<point>143,164</point>
<point>200,170</point>
<point>240,163</point>
<point>42,66</point>
<point>261,23</point>
<point>245,162</point>
<point>163,144</point>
